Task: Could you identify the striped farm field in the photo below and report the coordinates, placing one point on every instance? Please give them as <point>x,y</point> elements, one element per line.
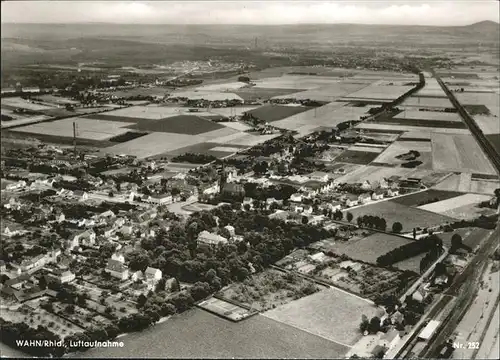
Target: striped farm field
<point>459,153</point>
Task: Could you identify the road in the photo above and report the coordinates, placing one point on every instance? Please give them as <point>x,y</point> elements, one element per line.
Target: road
<point>489,347</point>
<point>489,150</point>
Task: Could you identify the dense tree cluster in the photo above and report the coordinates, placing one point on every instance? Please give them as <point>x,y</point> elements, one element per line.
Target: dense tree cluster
<point>414,248</point>
<point>370,221</point>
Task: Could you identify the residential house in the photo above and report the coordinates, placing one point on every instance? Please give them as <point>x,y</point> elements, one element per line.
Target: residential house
<point>119,222</point>
<point>419,295</point>
<point>383,184</point>
<point>248,201</point>
<point>118,256</point>
<point>152,276</point>
<point>210,239</point>
<point>298,208</point>
<point>16,185</point>
<point>378,194</point>
<point>64,193</point>
<point>390,339</point>
<point>392,192</point>
<point>13,230</point>
<point>364,198</point>
<point>230,229</point>
<point>397,318</point>
<point>62,276</point>
<point>117,269</point>
<point>318,176</point>
<point>319,257</point>
<point>37,261</point>
<point>13,204</point>
<point>308,210</point>
<point>160,199</point>
<point>211,189</point>
<point>233,190</point>
<point>107,214</point>
<point>297,197</point>
<point>86,223</point>
<point>81,195</point>
<point>351,200</point>
<point>127,229</point>
<point>138,275</point>
<point>366,185</point>
<point>86,238</point>
<point>109,231</point>
<point>3,267</point>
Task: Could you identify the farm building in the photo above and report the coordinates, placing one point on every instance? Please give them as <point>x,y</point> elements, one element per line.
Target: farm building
<point>429,330</point>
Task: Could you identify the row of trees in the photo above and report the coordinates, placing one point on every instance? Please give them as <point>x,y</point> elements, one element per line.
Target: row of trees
<point>430,243</point>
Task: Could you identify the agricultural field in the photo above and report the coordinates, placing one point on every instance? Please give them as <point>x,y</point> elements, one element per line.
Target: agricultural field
<point>236,125</point>
<point>319,314</point>
<point>153,144</point>
<point>409,113</point>
<point>142,113</point>
<point>325,93</point>
<point>297,82</point>
<point>205,95</point>
<point>270,289</point>
<point>230,86</point>
<point>231,111</point>
<point>56,100</point>
<point>459,153</point>
<point>270,113</point>
<point>427,102</point>
<point>12,103</point>
<point>461,207</point>
<point>86,128</point>
<point>394,154</point>
<point>371,126</point>
<point>366,148</point>
<point>357,157</point>
<point>254,93</point>
<point>426,197</point>
<point>489,125</point>
<point>490,100</point>
<point>471,236</point>
<point>182,124</point>
<point>366,249</point>
<point>379,92</point>
<point>393,212</point>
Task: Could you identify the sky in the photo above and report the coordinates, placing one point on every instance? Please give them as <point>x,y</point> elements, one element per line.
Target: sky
<point>411,12</point>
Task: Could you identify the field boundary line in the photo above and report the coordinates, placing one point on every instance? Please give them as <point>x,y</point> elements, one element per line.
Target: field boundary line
<point>304,330</point>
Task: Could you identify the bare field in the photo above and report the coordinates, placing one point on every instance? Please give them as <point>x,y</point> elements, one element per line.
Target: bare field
<point>320,314</point>
<point>404,128</point>
<point>325,93</point>
<point>455,202</point>
<point>384,92</point>
<point>372,174</point>
<point>87,128</point>
<point>302,82</point>
<point>377,150</point>
<point>459,153</point>
<point>17,102</point>
<point>490,100</point>
<point>236,125</point>
<point>484,186</point>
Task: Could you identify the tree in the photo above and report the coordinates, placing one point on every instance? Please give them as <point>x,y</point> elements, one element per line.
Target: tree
<point>374,325</point>
<point>397,227</point>
<point>305,220</point>
<point>175,286</point>
<point>349,216</point>
<point>141,300</point>
<point>414,233</point>
<point>456,241</point>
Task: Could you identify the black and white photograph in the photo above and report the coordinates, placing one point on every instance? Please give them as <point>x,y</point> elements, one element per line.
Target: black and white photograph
<point>250,179</point>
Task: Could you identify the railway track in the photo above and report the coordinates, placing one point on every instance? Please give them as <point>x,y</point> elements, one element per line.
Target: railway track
<point>490,151</point>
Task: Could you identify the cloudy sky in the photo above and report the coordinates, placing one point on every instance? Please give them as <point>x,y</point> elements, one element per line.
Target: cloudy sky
<point>414,12</point>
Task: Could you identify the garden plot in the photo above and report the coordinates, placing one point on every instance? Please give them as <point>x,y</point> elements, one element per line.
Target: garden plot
<point>19,103</point>
<point>331,313</point>
<point>270,289</point>
<point>400,148</point>
<point>393,212</point>
<point>459,153</point>
<point>427,102</point>
<point>86,128</point>
<point>444,206</point>
<point>222,87</point>
<point>153,144</point>
<point>205,95</point>
<point>428,115</point>
<point>383,92</point>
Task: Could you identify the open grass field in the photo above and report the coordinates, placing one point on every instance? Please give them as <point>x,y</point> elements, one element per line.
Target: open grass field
<point>357,157</point>
<point>490,100</point>
<point>448,205</point>
<point>484,186</point>
<point>393,212</point>
<point>86,128</point>
<point>192,335</point>
<point>459,153</point>
<point>426,197</point>
<point>272,113</point>
<point>327,115</point>
<point>397,148</point>
<point>494,140</point>
<point>366,249</point>
<point>332,314</point>
<point>153,144</point>
<point>471,237</point>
